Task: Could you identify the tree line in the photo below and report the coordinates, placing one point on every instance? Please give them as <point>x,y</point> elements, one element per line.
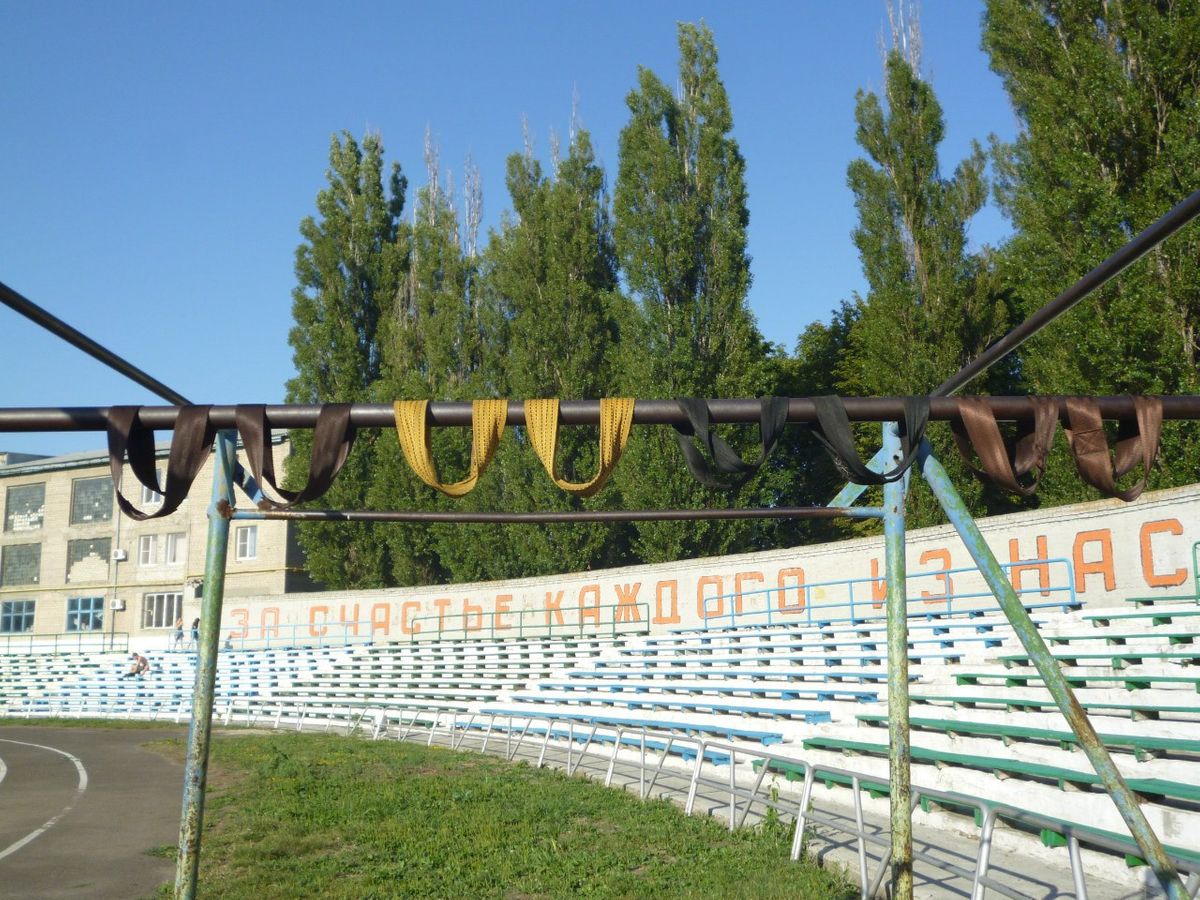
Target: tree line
<point>579,293</point>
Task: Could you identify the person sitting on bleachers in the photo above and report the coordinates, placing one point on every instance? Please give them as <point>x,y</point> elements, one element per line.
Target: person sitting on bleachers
<point>140,666</point>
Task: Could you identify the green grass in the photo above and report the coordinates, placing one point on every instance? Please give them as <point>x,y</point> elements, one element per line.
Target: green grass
<point>327,816</point>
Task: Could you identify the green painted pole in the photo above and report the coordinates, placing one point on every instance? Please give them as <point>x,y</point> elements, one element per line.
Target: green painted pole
<point>187,866</point>
<point>1039,654</point>
<point>899,747</point>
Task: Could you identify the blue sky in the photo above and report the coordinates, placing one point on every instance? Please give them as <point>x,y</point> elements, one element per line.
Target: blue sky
<point>157,159</point>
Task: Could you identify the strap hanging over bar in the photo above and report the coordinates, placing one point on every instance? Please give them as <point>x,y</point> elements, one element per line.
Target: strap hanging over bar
<point>333,436</point>
<point>1001,463</point>
<point>833,430</point>
<point>412,427</point>
<point>616,417</point>
<point>189,449</point>
<point>724,458</point>
<point>1089,444</point>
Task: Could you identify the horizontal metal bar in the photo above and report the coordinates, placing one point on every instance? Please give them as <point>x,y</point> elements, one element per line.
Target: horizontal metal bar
<point>1178,216</point>
<point>56,326</point>
<point>573,412</point>
<point>548,518</point>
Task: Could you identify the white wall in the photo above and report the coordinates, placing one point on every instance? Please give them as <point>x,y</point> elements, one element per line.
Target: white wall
<point>1107,550</point>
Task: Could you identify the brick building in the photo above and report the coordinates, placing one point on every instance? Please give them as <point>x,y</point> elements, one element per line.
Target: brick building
<point>71,563</point>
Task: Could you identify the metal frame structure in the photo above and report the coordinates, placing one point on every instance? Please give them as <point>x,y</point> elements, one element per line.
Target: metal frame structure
<point>886,410</point>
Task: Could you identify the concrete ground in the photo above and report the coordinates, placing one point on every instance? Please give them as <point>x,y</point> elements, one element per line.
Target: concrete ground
<point>80,809</point>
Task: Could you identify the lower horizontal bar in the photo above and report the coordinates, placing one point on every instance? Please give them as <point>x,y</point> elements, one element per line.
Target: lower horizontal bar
<point>549,518</point>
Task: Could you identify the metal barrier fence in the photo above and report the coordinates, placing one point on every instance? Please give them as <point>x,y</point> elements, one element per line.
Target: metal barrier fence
<point>951,590</point>
<point>30,644</point>
<point>735,772</point>
<point>626,618</point>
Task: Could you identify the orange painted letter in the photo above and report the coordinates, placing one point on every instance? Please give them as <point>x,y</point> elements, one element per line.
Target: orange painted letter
<point>665,587</point>
<point>589,610</point>
<point>408,613</point>
<point>312,620</point>
<point>1042,569</point>
<point>702,607</point>
<point>627,610</point>
<point>502,606</point>
<point>797,607</point>
<point>878,586</point>
<point>943,555</point>
<point>1102,566</point>
<point>1176,578</point>
<point>739,587</point>
<point>240,617</point>
<point>381,618</point>
<point>554,605</point>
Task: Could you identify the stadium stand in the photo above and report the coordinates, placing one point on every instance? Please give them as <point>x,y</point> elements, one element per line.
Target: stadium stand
<point>783,701</point>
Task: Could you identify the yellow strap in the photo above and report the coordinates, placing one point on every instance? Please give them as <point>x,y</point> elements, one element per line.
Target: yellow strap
<point>487,425</point>
<point>616,416</point>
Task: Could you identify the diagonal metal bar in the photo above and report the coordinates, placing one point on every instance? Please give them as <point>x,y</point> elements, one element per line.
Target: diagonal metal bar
<point>56,326</point>
<point>1178,216</point>
<point>1124,798</point>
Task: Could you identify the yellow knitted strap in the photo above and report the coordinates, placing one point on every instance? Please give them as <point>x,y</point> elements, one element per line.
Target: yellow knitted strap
<point>487,425</point>
<point>616,416</point>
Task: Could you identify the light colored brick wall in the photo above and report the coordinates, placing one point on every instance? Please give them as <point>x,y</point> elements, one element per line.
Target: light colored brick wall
<point>131,579</point>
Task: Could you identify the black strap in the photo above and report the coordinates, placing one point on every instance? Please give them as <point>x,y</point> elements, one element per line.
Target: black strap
<point>190,447</point>
<point>333,436</point>
<point>833,430</point>
<point>725,459</point>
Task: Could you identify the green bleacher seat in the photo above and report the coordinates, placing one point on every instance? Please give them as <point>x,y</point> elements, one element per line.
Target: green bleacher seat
<point>1144,746</point>
<point>1130,681</point>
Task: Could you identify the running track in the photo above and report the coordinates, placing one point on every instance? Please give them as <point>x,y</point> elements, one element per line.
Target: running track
<point>79,808</point>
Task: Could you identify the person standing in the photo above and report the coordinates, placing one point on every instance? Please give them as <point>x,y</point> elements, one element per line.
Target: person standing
<point>196,633</point>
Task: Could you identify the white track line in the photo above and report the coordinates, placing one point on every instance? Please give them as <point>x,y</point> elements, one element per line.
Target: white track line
<point>3,770</point>
<point>83,783</point>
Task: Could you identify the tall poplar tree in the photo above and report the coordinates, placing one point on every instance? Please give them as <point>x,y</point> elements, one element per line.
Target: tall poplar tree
<point>1107,95</point>
<point>552,281</point>
<point>680,227</point>
<point>931,304</point>
<point>348,268</point>
<point>432,340</point>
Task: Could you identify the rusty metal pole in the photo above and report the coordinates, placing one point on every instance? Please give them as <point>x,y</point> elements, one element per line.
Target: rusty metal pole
<point>899,752</point>
<point>187,866</point>
<point>1039,654</point>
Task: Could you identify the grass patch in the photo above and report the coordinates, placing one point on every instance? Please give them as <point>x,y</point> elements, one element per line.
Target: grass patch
<point>317,815</point>
<point>163,851</point>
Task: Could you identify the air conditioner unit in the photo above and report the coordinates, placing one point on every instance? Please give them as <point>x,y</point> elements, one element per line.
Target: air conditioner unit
<point>120,555</point>
<point>116,605</point>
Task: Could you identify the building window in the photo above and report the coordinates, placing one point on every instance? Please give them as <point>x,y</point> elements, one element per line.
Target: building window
<point>247,542</point>
<point>148,550</point>
<point>177,548</point>
<point>161,610</point>
<point>24,506</point>
<point>91,500</point>
<point>151,497</point>
<point>20,564</point>
<point>16,616</point>
<point>85,614</point>
<point>87,560</point>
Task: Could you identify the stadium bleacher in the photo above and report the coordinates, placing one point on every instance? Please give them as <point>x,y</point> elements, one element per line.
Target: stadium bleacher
<point>983,726</point>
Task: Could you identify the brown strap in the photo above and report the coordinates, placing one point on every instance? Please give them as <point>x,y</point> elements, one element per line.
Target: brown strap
<point>333,437</point>
<point>976,429</point>
<point>189,449</point>
<point>1089,444</point>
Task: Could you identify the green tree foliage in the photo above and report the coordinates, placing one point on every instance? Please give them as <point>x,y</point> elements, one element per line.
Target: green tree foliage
<point>348,268</point>
<point>931,304</point>
<point>1107,95</point>
<point>434,345</point>
<point>552,281</point>
<point>680,228</point>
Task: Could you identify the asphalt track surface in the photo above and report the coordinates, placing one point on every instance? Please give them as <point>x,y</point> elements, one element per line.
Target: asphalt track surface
<point>81,807</point>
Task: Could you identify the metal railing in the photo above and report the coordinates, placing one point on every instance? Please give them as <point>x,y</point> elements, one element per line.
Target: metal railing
<point>626,619</point>
<point>866,604</point>
<point>737,772</point>
<point>29,644</point>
